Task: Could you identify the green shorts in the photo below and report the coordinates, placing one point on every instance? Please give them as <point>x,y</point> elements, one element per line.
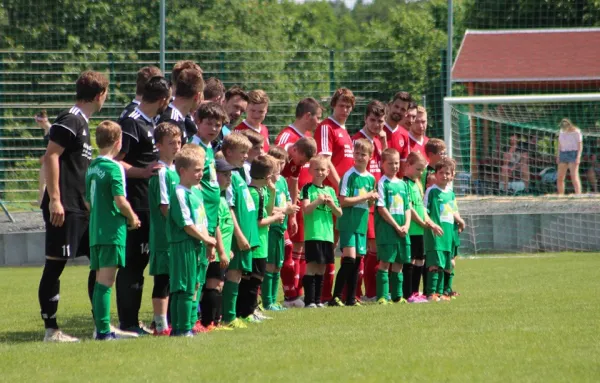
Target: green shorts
<point>183,266</point>
<point>441,259</point>
<point>356,240</point>
<point>276,248</point>
<point>398,253</point>
<point>455,252</point>
<point>107,256</point>
<point>159,263</point>
<point>242,260</point>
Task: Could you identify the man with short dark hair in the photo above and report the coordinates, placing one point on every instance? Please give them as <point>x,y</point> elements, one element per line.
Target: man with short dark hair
<point>143,75</point>
<point>66,161</point>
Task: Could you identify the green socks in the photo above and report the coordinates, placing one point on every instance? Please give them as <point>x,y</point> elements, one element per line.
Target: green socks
<point>448,281</point>
<point>101,308</point>
<point>431,282</point>
<point>382,284</point>
<point>275,287</point>
<point>230,294</point>
<point>440,283</point>
<point>266,290</point>
<point>396,285</point>
<point>181,311</point>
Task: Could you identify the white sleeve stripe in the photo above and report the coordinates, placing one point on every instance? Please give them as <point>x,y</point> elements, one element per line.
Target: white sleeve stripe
<point>123,178</point>
<point>162,184</point>
<point>283,139</point>
<point>229,196</point>
<point>185,211</point>
<point>132,136</point>
<point>66,127</point>
<point>344,184</point>
<point>324,140</point>
<point>381,191</point>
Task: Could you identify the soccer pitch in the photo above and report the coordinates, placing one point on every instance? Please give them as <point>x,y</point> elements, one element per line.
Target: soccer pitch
<point>519,318</point>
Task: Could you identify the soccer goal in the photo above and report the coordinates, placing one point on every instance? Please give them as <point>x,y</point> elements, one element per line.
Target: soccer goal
<point>505,149</point>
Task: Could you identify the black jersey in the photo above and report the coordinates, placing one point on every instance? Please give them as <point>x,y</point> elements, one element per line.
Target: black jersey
<point>70,130</point>
<point>174,116</point>
<point>140,151</point>
<point>128,109</point>
<point>190,126</point>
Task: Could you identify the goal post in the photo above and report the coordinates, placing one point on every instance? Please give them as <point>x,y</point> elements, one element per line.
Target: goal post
<point>506,144</point>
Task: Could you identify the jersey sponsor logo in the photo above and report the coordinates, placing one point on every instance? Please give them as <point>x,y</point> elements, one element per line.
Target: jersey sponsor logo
<point>340,135</point>
<point>150,135</point>
<point>359,193</point>
<point>396,204</point>
<point>447,211</point>
<point>87,151</point>
<point>213,175</point>
<point>201,222</point>
<point>401,142</point>
<point>83,133</point>
<point>248,199</point>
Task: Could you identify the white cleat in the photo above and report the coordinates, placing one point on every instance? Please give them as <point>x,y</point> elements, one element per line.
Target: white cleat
<point>311,306</point>
<point>57,336</point>
<point>297,303</point>
<point>260,316</point>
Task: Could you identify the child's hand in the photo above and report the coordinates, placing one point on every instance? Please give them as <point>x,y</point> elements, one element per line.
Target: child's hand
<point>402,231</point>
<point>224,262</point>
<point>280,216</point>
<point>461,224</point>
<point>211,253</point>
<point>373,196</point>
<point>330,202</point>
<point>291,209</point>
<point>436,229</point>
<point>134,222</point>
<point>322,198</point>
<point>211,241</point>
<point>243,244</point>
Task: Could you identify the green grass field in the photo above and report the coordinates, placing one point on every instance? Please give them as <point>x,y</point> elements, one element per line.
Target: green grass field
<point>518,319</point>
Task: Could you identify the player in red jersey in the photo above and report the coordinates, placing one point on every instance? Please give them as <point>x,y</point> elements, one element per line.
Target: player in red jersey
<point>416,135</point>
<point>258,104</point>
<point>308,116</point>
<point>334,141</point>
<point>372,131</point>
<point>397,135</point>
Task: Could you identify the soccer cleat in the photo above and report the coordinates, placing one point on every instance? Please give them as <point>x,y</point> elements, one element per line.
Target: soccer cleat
<point>198,328</point>
<point>336,302</point>
<point>57,336</point>
<point>297,303</point>
<point>187,334</point>
<point>250,319</point>
<point>445,298</point>
<point>321,305</point>
<point>355,304</point>
<point>367,299</point>
<point>274,307</point>
<point>453,294</point>
<point>278,305</point>
<point>416,298</point>
<point>433,298</point>
<point>166,332</point>
<point>210,327</point>
<point>311,306</point>
<point>236,323</point>
<point>383,301</point>
<point>400,300</point>
<point>140,329</point>
<point>107,336</point>
<point>260,316</point>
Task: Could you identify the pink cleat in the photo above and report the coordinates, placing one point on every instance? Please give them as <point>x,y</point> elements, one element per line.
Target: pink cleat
<point>417,298</point>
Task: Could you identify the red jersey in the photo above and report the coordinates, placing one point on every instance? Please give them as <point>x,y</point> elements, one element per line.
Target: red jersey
<point>418,146</point>
<point>374,166</point>
<point>397,139</point>
<point>286,138</point>
<point>333,140</point>
<point>262,130</point>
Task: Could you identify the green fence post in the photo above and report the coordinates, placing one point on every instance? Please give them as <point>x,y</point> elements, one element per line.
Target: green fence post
<point>222,66</point>
<point>331,71</point>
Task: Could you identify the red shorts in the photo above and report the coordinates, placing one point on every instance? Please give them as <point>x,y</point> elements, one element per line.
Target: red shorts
<point>371,226</point>
<point>299,236</point>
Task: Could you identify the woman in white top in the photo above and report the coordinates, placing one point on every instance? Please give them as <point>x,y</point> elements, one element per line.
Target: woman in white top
<point>570,146</point>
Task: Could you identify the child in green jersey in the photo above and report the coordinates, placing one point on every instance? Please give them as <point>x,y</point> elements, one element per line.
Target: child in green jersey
<point>441,206</point>
<point>257,141</point>
<point>160,187</point>
<point>276,248</point>
<point>209,119</point>
<point>357,194</point>
<point>110,214</point>
<point>188,232</point>
<point>244,214</point>
<point>415,163</point>
<point>319,205</point>
<point>262,190</point>
<point>392,220</point>
<point>435,150</point>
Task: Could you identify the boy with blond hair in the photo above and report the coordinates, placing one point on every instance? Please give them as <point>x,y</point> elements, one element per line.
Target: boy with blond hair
<point>392,220</point>
<point>441,206</point>
<point>160,187</point>
<point>319,204</point>
<point>244,214</point>
<point>110,214</point>
<point>357,194</point>
<point>188,233</point>
<point>258,105</point>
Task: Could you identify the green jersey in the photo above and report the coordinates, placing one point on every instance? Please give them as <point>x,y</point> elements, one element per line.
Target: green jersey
<point>226,225</point>
<point>426,173</point>
<point>441,206</point>
<point>395,197</point>
<point>160,189</point>
<point>260,196</point>
<point>105,179</point>
<point>318,225</point>
<point>282,197</point>
<point>209,185</point>
<point>186,208</point>
<point>354,184</point>
<point>415,189</point>
<point>246,212</point>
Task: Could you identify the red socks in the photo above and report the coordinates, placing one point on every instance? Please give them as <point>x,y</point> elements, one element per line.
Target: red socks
<point>288,274</point>
<point>328,282</point>
<point>371,266</point>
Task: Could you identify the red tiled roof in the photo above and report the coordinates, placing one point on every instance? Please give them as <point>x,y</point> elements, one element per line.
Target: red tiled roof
<point>528,55</point>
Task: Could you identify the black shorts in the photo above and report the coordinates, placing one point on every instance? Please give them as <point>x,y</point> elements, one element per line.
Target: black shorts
<point>417,249</point>
<point>320,252</point>
<point>214,271</point>
<point>136,246</point>
<point>71,239</point>
<point>259,266</point>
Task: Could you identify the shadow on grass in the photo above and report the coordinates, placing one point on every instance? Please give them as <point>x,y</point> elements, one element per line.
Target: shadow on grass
<point>80,326</point>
